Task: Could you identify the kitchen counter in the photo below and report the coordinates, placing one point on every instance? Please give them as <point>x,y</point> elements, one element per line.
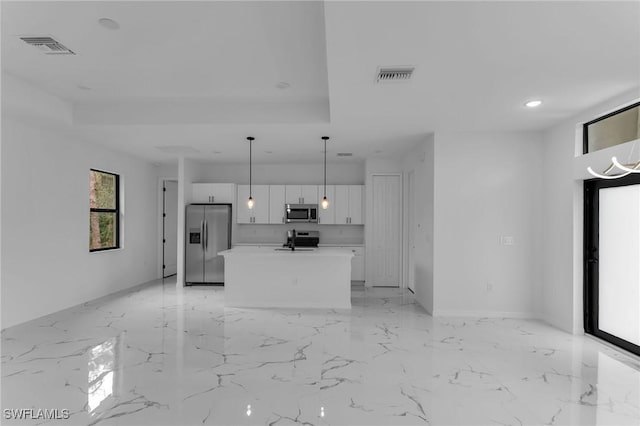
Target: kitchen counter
<point>266,277</point>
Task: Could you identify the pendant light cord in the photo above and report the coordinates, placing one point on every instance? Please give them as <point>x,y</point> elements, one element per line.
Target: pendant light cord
<point>250,139</point>
<point>325,138</point>
<point>325,168</point>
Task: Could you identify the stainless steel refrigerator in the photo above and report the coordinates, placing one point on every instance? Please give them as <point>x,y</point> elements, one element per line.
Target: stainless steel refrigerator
<point>208,231</point>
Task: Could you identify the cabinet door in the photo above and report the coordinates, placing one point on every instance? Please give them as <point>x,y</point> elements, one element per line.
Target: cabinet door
<point>355,204</point>
<point>276,203</point>
<point>328,216</point>
<point>213,193</point>
<point>341,204</point>
<point>243,213</point>
<point>200,193</point>
<point>260,194</point>
<point>293,194</point>
<point>309,194</point>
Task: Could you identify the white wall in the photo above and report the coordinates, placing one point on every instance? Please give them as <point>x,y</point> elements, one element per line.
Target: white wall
<point>487,185</point>
<point>564,171</point>
<point>186,172</point>
<point>347,173</point>
<point>46,264</point>
<point>420,161</point>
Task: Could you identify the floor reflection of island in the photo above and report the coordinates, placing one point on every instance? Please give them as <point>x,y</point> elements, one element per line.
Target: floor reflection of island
<point>265,277</point>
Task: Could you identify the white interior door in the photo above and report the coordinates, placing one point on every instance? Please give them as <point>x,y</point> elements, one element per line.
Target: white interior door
<point>170,228</point>
<point>386,231</point>
<point>411,237</point>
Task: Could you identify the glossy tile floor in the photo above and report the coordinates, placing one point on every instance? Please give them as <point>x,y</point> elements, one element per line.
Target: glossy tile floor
<point>158,356</point>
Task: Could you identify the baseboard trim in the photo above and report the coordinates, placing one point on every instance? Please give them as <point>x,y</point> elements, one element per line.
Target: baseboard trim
<point>485,314</point>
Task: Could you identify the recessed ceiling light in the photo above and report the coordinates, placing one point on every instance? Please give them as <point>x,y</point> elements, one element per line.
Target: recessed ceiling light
<point>533,103</point>
<point>283,85</point>
<point>109,23</point>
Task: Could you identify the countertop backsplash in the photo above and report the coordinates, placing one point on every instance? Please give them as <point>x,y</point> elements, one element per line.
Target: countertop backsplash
<point>276,234</point>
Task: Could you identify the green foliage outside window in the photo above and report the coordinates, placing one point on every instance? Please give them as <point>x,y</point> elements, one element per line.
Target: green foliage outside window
<point>104,210</point>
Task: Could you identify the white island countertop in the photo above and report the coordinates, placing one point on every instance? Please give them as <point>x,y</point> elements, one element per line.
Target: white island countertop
<point>270,277</point>
<point>283,251</point>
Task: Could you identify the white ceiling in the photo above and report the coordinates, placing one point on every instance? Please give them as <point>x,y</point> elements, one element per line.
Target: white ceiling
<point>203,75</point>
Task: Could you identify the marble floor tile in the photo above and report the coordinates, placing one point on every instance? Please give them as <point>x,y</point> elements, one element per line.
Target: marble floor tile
<point>158,355</point>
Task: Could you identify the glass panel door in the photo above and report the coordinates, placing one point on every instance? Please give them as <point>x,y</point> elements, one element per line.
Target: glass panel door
<point>612,261</point>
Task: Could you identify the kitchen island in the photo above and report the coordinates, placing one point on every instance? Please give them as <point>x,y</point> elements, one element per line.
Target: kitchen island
<point>270,277</point>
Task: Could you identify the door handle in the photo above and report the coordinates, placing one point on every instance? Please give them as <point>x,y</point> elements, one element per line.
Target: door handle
<point>206,235</point>
<point>202,235</point>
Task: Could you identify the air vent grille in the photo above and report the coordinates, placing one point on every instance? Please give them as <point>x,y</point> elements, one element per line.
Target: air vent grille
<point>388,74</point>
<point>344,154</point>
<point>48,45</point>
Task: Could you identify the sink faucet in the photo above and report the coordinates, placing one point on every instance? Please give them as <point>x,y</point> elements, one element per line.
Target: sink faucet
<point>292,239</point>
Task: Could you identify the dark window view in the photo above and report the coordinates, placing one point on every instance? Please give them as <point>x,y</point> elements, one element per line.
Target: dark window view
<point>612,129</point>
<point>104,210</point>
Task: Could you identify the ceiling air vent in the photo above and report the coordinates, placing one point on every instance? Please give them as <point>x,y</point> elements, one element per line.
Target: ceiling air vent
<point>388,74</point>
<point>48,45</point>
<point>344,154</point>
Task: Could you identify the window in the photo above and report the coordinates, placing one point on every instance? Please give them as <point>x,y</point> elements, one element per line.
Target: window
<point>104,210</point>
<point>612,129</point>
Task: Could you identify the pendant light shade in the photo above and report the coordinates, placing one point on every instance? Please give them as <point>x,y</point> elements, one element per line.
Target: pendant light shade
<point>250,202</point>
<point>325,200</point>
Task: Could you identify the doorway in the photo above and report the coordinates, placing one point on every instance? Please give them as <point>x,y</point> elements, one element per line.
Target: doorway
<point>612,261</point>
<point>169,228</point>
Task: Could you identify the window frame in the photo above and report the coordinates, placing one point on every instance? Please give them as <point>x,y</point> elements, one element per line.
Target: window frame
<point>585,132</point>
<point>116,211</point>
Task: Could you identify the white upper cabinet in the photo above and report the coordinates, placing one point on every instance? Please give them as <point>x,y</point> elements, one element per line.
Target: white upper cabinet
<point>301,194</point>
<point>309,194</point>
<point>260,211</point>
<point>213,193</point>
<point>328,216</point>
<point>356,209</point>
<point>349,204</point>
<point>276,203</point>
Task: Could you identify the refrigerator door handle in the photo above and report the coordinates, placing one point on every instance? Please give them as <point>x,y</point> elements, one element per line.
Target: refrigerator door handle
<point>202,234</point>
<point>206,235</point>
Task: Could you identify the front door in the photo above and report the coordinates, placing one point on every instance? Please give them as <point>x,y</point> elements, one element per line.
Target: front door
<point>612,261</point>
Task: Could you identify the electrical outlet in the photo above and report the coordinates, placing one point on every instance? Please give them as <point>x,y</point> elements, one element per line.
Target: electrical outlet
<point>507,240</point>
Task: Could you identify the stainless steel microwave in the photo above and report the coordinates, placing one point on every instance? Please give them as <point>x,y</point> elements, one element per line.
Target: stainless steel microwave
<point>301,213</point>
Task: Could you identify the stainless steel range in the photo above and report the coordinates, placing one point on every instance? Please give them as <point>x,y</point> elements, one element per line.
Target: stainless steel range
<point>302,239</point>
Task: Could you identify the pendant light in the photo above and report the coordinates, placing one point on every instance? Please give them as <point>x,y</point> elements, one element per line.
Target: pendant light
<point>325,201</point>
<point>250,202</point>
<point>626,169</point>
